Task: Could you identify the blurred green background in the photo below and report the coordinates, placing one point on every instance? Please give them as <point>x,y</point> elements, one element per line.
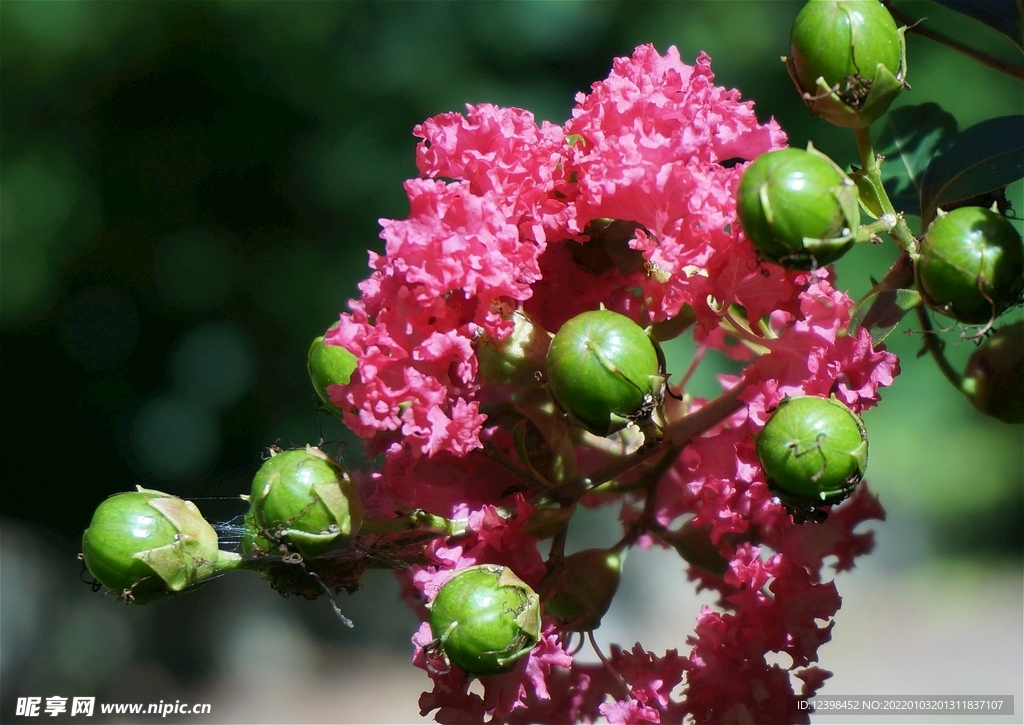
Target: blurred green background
<point>187,194</point>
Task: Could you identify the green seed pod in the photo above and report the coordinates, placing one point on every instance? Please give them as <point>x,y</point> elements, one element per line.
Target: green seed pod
<point>329,365</point>
<point>602,371</point>
<point>305,498</point>
<point>144,545</point>
<point>848,60</point>
<point>971,265</point>
<point>813,450</point>
<point>579,591</point>
<point>693,544</point>
<point>545,522</point>
<point>994,378</point>
<point>798,208</point>
<point>520,358</point>
<point>484,619</point>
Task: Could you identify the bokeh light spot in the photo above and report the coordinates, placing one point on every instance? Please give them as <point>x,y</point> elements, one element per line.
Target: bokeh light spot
<point>215,364</point>
<point>175,438</point>
<point>48,212</point>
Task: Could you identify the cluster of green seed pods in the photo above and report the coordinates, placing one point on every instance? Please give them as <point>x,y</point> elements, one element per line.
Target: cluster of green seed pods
<point>146,545</point>
<point>602,372</point>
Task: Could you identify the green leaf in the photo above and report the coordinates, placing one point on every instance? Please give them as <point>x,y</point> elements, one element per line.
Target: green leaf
<point>908,141</point>
<point>1003,16</point>
<point>985,157</point>
<point>880,312</point>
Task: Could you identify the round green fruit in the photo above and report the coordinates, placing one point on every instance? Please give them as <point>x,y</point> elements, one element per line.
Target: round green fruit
<point>798,208</point>
<point>602,370</point>
<point>580,589</point>
<point>520,358</point>
<point>994,378</point>
<point>847,58</point>
<point>304,498</point>
<point>485,618</point>
<point>329,365</point>
<point>145,544</point>
<point>971,265</point>
<point>814,451</point>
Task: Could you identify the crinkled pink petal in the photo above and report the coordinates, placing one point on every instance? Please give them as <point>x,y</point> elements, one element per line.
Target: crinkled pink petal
<point>653,137</point>
<point>629,712</point>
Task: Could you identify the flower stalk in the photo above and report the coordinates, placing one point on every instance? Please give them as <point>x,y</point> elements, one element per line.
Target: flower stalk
<point>871,176</point>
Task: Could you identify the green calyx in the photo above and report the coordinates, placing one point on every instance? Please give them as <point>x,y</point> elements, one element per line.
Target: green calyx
<point>144,545</point>
<point>848,60</point>
<point>798,208</point>
<point>484,619</point>
<point>329,365</point>
<point>814,451</point>
<point>301,498</point>
<point>603,371</point>
<point>994,378</point>
<point>578,591</point>
<point>520,358</point>
<point>971,265</point>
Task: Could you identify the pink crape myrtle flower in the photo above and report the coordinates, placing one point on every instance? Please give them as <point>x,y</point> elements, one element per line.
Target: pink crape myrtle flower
<point>649,146</point>
<point>511,215</point>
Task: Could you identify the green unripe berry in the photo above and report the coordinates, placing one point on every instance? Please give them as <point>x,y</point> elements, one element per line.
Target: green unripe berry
<point>329,365</point>
<point>579,591</point>
<point>848,60</point>
<point>798,208</point>
<point>971,265</point>
<point>602,370</point>
<point>485,618</point>
<point>520,358</point>
<point>814,451</point>
<point>144,545</point>
<point>994,378</point>
<point>302,498</point>
<point>693,543</point>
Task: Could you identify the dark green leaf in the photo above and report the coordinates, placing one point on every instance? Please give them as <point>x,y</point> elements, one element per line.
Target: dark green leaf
<point>986,156</point>
<point>880,312</point>
<point>908,140</point>
<point>1003,16</point>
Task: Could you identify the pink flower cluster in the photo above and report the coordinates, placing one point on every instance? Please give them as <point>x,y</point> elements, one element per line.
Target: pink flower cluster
<point>500,219</point>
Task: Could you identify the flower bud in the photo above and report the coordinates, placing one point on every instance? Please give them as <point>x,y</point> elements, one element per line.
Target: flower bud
<point>519,359</point>
<point>329,365</point>
<point>545,522</point>
<point>304,498</point>
<point>144,545</point>
<point>693,543</point>
<point>848,60</point>
<point>579,590</point>
<point>971,265</point>
<point>994,378</point>
<point>814,451</point>
<point>484,619</point>
<point>602,369</point>
<point>798,208</point>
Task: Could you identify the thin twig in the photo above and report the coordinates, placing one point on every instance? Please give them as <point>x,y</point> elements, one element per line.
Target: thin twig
<point>934,344</point>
